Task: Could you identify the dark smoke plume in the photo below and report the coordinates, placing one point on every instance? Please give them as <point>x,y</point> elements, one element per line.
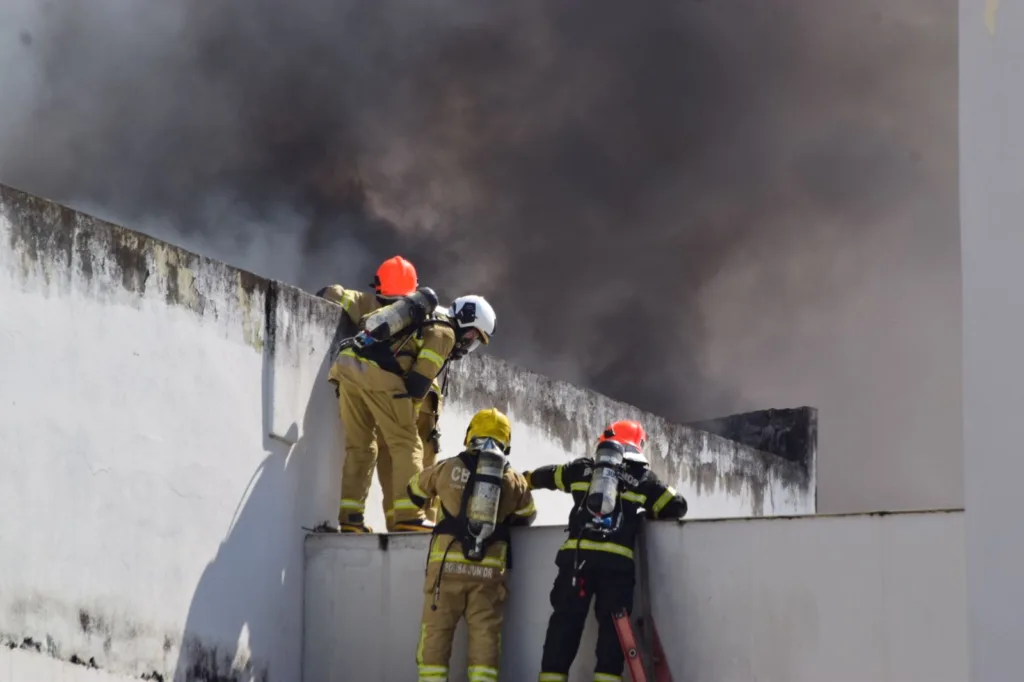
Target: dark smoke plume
<point>694,207</point>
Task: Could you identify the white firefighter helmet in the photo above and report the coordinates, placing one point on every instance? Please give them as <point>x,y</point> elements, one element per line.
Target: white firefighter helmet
<point>473,312</point>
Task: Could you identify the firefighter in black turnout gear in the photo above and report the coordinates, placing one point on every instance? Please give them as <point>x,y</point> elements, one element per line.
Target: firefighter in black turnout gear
<point>609,491</point>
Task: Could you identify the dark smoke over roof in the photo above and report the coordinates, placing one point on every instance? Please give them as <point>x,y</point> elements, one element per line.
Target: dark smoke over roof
<point>693,207</point>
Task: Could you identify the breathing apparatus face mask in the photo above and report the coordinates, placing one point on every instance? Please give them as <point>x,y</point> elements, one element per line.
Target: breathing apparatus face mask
<point>468,341</point>
<point>487,445</point>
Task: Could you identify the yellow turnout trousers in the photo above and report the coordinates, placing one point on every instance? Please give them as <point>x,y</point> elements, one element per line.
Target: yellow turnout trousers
<point>483,605</point>
<point>366,413</point>
<point>426,422</point>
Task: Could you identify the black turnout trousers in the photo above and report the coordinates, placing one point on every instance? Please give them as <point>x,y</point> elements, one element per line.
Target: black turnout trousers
<point>613,590</point>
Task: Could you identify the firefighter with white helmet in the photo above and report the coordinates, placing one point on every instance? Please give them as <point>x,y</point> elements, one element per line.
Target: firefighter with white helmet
<point>609,489</point>
<point>481,497</point>
<point>474,321</point>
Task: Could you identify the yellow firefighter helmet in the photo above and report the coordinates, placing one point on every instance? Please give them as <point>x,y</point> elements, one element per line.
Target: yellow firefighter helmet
<point>489,424</point>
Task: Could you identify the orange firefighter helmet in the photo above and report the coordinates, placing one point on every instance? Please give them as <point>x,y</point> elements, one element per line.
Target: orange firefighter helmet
<point>395,277</point>
<point>628,433</point>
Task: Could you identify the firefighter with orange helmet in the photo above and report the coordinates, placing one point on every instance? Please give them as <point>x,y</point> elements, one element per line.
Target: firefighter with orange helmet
<point>396,277</point>
<point>385,374</point>
<point>609,490</point>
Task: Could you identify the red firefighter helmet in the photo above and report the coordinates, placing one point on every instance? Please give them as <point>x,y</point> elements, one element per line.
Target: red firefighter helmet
<point>395,277</point>
<point>630,434</point>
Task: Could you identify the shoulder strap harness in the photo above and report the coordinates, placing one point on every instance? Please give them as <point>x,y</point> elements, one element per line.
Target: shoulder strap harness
<point>386,359</point>
<point>458,527</point>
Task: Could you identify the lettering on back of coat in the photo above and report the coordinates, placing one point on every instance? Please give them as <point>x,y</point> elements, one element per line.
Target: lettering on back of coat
<point>470,570</point>
<point>460,476</point>
<point>624,476</point>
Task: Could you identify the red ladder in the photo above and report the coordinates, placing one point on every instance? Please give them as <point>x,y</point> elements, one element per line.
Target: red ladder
<point>634,652</point>
<point>645,658</point>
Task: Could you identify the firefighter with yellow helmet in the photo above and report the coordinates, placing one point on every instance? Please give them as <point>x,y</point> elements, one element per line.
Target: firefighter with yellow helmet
<point>481,497</point>
<point>396,277</point>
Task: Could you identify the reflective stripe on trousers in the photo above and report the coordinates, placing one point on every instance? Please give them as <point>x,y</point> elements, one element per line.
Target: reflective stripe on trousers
<point>353,506</point>
<point>433,673</point>
<point>482,673</point>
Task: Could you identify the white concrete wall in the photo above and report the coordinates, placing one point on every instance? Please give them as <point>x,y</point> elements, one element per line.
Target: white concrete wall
<point>168,429</point>
<point>17,665</point>
<point>842,599</point>
<point>363,608</point>
<point>554,422</point>
<point>992,239</point>
<point>146,510</point>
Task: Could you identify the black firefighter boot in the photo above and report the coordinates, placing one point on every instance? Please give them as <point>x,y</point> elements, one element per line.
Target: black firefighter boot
<point>353,524</point>
<point>420,525</point>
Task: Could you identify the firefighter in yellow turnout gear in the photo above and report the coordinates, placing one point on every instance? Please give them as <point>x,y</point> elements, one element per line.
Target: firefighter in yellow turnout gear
<point>396,277</point>
<point>385,373</point>
<point>426,426</point>
<point>481,497</point>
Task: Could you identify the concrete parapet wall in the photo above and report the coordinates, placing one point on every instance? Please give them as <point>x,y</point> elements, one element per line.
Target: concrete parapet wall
<point>844,599</point>
<point>554,421</point>
<point>789,433</point>
<point>166,433</point>
<point>168,429</point>
<point>27,665</point>
<point>360,594</point>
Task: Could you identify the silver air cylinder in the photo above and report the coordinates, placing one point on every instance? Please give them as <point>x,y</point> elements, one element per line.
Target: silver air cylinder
<point>482,510</point>
<point>604,482</point>
<point>385,322</point>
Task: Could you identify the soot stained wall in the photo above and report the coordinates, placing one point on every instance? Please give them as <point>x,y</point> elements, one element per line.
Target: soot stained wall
<point>169,430</point>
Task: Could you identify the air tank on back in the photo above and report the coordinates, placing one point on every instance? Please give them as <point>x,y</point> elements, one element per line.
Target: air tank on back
<point>603,493</point>
<point>482,510</point>
<point>387,321</point>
